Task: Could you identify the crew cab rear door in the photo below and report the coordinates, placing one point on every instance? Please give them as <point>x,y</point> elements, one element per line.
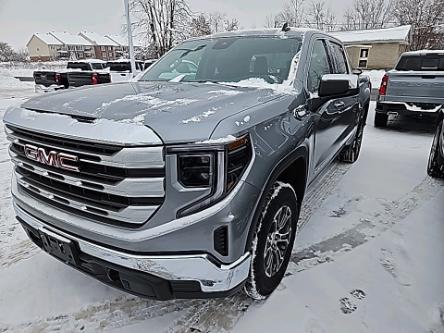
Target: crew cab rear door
<point>332,115</point>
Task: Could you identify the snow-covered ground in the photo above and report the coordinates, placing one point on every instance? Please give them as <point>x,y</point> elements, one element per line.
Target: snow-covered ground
<point>368,258</point>
<point>375,77</point>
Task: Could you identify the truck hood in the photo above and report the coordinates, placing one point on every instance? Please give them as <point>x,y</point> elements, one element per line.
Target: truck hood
<point>177,112</point>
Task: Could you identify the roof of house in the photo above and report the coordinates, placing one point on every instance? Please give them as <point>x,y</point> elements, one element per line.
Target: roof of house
<point>397,34</point>
<point>98,38</point>
<point>70,39</point>
<point>122,40</point>
<point>47,38</point>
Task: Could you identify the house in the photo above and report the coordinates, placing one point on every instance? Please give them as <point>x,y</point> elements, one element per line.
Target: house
<point>123,49</point>
<point>375,49</point>
<point>44,47</point>
<point>59,45</point>
<point>105,47</point>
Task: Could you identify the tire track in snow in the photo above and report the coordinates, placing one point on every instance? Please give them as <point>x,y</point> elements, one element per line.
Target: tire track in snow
<point>368,228</point>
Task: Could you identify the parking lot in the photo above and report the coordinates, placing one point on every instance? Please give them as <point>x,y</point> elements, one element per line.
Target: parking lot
<point>368,258</point>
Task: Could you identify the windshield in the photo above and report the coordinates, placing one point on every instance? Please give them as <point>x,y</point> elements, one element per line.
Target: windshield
<point>227,60</point>
<point>119,66</point>
<point>432,62</point>
<point>79,65</point>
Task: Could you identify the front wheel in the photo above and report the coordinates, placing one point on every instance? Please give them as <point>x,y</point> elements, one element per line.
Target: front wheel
<point>273,241</point>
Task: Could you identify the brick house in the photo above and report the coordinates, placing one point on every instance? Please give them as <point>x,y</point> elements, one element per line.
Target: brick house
<point>105,47</point>
<point>375,49</point>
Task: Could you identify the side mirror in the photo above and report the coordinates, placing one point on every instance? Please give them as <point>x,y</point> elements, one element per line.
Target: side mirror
<point>338,85</point>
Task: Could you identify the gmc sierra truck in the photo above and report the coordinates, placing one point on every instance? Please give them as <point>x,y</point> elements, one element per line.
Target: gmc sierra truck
<point>415,87</point>
<point>188,183</point>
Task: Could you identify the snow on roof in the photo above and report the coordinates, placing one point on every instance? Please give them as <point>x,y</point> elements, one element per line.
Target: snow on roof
<point>70,39</point>
<point>48,38</point>
<point>397,34</point>
<point>122,40</point>
<point>98,38</point>
<point>423,52</point>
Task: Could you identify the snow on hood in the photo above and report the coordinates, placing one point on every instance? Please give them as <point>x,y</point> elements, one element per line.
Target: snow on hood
<point>178,112</point>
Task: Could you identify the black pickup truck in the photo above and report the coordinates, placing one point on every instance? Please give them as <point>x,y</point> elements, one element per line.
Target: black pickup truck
<point>77,74</point>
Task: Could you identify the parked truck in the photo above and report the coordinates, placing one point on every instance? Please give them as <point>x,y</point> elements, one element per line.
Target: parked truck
<point>189,182</point>
<point>415,87</point>
<point>77,74</point>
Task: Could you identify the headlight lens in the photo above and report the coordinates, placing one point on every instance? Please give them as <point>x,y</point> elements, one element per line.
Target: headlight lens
<point>196,170</point>
<point>218,167</point>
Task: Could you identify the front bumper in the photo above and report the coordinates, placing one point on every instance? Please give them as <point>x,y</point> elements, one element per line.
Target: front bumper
<point>155,276</point>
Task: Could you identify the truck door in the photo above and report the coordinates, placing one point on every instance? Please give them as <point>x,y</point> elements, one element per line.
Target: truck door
<point>328,112</point>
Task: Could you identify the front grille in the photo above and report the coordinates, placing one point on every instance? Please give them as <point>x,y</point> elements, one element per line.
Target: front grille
<point>109,186</point>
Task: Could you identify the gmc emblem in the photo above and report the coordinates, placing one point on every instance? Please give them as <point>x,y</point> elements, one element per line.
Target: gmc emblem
<point>52,158</point>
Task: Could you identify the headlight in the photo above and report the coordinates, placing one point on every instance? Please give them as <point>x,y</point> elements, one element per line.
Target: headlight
<point>216,167</point>
<point>196,170</point>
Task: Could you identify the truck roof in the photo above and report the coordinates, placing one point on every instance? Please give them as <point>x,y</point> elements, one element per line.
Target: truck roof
<point>293,32</point>
<point>424,52</point>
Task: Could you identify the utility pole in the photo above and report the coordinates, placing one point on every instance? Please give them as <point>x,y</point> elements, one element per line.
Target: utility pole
<point>130,38</point>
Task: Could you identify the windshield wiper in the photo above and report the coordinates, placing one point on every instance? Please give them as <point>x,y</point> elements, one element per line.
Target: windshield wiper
<point>216,82</point>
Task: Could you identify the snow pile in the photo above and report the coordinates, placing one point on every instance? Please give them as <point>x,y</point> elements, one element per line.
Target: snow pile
<point>259,83</point>
<point>198,118</point>
<point>375,77</point>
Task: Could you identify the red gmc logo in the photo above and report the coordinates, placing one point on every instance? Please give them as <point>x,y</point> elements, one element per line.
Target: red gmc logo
<point>51,158</point>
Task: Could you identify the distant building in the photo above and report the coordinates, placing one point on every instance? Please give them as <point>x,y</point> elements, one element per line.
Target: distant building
<point>105,47</point>
<point>67,46</point>
<point>375,49</point>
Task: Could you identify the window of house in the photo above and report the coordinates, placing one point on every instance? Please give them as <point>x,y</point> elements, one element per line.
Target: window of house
<point>104,55</point>
<point>103,48</point>
<point>363,57</point>
<point>319,66</point>
<point>340,59</point>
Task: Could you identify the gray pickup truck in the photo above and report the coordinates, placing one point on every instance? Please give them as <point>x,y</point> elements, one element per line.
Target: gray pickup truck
<point>414,87</point>
<point>188,182</point>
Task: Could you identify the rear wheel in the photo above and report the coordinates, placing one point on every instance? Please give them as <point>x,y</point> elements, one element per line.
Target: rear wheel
<point>435,168</point>
<point>381,119</point>
<point>273,241</point>
<point>350,154</point>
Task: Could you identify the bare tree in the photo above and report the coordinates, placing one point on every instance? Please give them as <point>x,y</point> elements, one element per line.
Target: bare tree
<point>427,20</point>
<point>368,14</point>
<point>320,17</point>
<point>200,26</point>
<point>6,52</point>
<point>271,21</point>
<point>292,13</point>
<point>162,23</point>
<point>231,24</point>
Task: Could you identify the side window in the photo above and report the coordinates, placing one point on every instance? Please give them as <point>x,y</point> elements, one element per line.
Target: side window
<point>341,60</point>
<point>319,66</point>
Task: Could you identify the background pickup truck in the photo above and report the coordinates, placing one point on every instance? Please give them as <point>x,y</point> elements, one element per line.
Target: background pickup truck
<point>77,73</point>
<point>120,70</point>
<point>415,86</point>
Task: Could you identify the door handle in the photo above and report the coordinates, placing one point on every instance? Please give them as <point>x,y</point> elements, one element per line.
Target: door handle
<point>300,112</point>
<point>339,104</point>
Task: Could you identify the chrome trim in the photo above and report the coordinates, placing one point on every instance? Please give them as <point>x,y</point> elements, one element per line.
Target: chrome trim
<point>197,267</point>
<point>100,131</point>
<point>131,214</point>
<point>134,157</point>
<point>410,108</point>
<point>128,187</point>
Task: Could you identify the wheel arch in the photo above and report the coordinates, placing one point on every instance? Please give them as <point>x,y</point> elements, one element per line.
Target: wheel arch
<point>293,169</point>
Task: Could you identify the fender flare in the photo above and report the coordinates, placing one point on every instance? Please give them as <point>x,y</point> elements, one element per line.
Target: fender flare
<point>300,152</point>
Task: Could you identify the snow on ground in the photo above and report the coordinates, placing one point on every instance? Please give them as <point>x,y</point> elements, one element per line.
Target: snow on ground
<point>368,258</point>
<point>375,77</point>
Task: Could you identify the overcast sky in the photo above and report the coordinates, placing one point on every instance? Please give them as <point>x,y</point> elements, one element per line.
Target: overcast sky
<point>19,19</point>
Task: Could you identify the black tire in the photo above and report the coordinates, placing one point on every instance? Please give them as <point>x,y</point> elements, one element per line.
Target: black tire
<point>381,119</point>
<point>271,251</point>
<point>350,153</point>
<point>435,167</point>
